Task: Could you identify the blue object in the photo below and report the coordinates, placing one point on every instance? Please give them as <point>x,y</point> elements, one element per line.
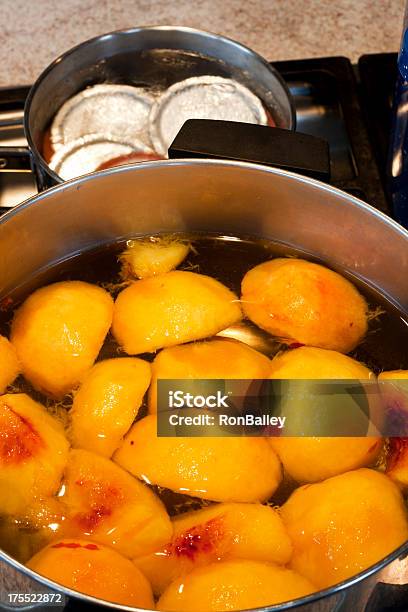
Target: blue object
<point>398,156</point>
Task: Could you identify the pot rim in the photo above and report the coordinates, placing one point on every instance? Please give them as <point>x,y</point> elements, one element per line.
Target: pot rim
<point>150,165</point>
<point>134,30</point>
<point>75,183</point>
<point>402,551</point>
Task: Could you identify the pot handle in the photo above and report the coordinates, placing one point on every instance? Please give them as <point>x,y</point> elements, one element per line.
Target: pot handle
<point>259,144</point>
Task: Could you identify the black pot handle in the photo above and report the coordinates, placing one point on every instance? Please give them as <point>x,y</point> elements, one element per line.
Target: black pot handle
<point>260,144</point>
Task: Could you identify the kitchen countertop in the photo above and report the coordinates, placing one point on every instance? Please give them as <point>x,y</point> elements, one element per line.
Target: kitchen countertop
<point>32,34</point>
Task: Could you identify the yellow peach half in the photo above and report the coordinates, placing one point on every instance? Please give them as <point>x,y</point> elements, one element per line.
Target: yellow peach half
<point>222,531</point>
<point>242,469</point>
<point>33,453</point>
<point>343,525</point>
<point>58,333</point>
<point>95,570</point>
<point>210,359</point>
<point>112,507</point>
<point>305,302</point>
<point>152,257</point>
<point>310,459</point>
<point>107,403</point>
<point>233,585</point>
<point>171,309</point>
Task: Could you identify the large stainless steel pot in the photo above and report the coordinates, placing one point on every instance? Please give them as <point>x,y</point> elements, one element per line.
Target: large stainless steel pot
<point>212,196</point>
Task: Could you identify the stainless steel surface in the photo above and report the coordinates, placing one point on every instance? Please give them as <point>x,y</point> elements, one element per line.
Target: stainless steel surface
<point>14,188</point>
<point>210,196</point>
<point>13,581</point>
<point>321,115</point>
<point>139,55</point>
<point>253,336</point>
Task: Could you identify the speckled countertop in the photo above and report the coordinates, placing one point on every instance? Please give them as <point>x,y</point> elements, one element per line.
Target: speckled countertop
<point>33,33</point>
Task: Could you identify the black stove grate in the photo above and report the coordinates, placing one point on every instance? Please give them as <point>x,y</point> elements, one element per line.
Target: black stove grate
<point>329,104</point>
<point>378,73</point>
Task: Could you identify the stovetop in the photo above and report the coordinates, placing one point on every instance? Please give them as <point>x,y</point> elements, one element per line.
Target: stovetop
<point>347,105</point>
<point>333,101</point>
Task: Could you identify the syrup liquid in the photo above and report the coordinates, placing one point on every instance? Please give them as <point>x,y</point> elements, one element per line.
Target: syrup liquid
<point>227,259</point>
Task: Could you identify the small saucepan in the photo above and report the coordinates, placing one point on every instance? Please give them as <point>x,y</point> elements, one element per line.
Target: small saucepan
<point>148,57</point>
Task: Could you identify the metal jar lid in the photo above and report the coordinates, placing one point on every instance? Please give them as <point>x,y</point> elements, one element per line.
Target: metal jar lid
<point>204,97</point>
<point>118,111</point>
<point>88,153</point>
